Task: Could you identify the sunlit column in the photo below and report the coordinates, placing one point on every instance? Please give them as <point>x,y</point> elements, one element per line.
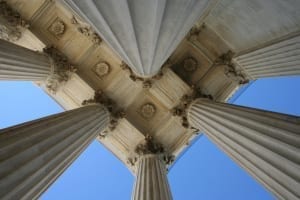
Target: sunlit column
<point>34,154</point>
<point>265,144</point>
<point>151,178</point>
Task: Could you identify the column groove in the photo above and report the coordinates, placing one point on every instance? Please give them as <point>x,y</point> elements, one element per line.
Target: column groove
<point>34,154</point>
<point>279,59</point>
<point>19,63</point>
<point>151,179</point>
<point>266,144</point>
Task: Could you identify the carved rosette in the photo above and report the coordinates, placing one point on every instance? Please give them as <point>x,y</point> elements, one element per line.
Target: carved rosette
<point>11,23</point>
<point>61,69</point>
<point>190,64</point>
<point>225,60</point>
<point>101,69</point>
<point>87,31</point>
<point>148,110</point>
<point>57,28</point>
<point>116,113</point>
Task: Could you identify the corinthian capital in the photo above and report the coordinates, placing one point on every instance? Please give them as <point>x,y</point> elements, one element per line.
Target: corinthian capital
<point>11,23</point>
<point>61,69</point>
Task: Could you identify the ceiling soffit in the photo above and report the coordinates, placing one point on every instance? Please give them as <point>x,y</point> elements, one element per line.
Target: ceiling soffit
<point>143,33</point>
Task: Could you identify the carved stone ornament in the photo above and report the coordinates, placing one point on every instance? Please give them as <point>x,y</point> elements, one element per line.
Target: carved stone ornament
<point>61,69</point>
<point>87,31</point>
<point>194,32</point>
<point>116,113</point>
<point>147,110</point>
<point>11,23</point>
<point>186,100</point>
<point>146,82</point>
<point>225,60</point>
<point>149,146</point>
<point>190,64</point>
<point>57,28</point>
<point>101,69</point>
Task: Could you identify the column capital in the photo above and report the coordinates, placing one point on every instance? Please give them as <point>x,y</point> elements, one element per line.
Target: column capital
<point>230,68</point>
<point>116,113</point>
<point>61,69</point>
<point>150,147</point>
<point>11,23</point>
<point>181,109</point>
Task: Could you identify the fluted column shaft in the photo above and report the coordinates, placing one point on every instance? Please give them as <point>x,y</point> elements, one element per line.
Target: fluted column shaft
<point>151,179</point>
<point>34,154</point>
<point>264,143</point>
<point>19,63</point>
<point>279,59</point>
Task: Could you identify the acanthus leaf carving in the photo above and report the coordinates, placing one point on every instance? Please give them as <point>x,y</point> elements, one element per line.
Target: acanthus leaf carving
<point>230,69</point>
<point>11,23</point>
<point>195,32</point>
<point>61,69</point>
<point>146,82</point>
<point>151,147</point>
<point>116,113</point>
<point>181,109</point>
<point>87,31</point>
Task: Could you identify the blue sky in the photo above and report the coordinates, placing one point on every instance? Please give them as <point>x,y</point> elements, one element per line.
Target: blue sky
<point>203,172</point>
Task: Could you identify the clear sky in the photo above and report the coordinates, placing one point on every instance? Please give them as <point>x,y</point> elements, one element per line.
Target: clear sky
<point>203,172</point>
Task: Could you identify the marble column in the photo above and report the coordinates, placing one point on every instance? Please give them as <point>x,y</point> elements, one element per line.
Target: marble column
<point>151,177</point>
<point>265,144</point>
<point>34,154</point>
<point>21,64</point>
<point>278,59</point>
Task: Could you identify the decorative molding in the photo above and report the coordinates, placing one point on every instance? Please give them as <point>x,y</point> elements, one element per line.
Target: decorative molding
<point>115,111</point>
<point>230,68</point>
<point>181,109</point>
<point>147,82</point>
<point>61,69</point>
<point>195,32</point>
<point>190,64</point>
<point>149,146</point>
<point>57,28</point>
<point>147,110</point>
<point>101,69</point>
<point>11,23</point>
<point>87,31</point>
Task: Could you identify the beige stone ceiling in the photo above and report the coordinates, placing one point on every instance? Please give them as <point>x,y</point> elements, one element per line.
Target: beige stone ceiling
<point>148,103</point>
